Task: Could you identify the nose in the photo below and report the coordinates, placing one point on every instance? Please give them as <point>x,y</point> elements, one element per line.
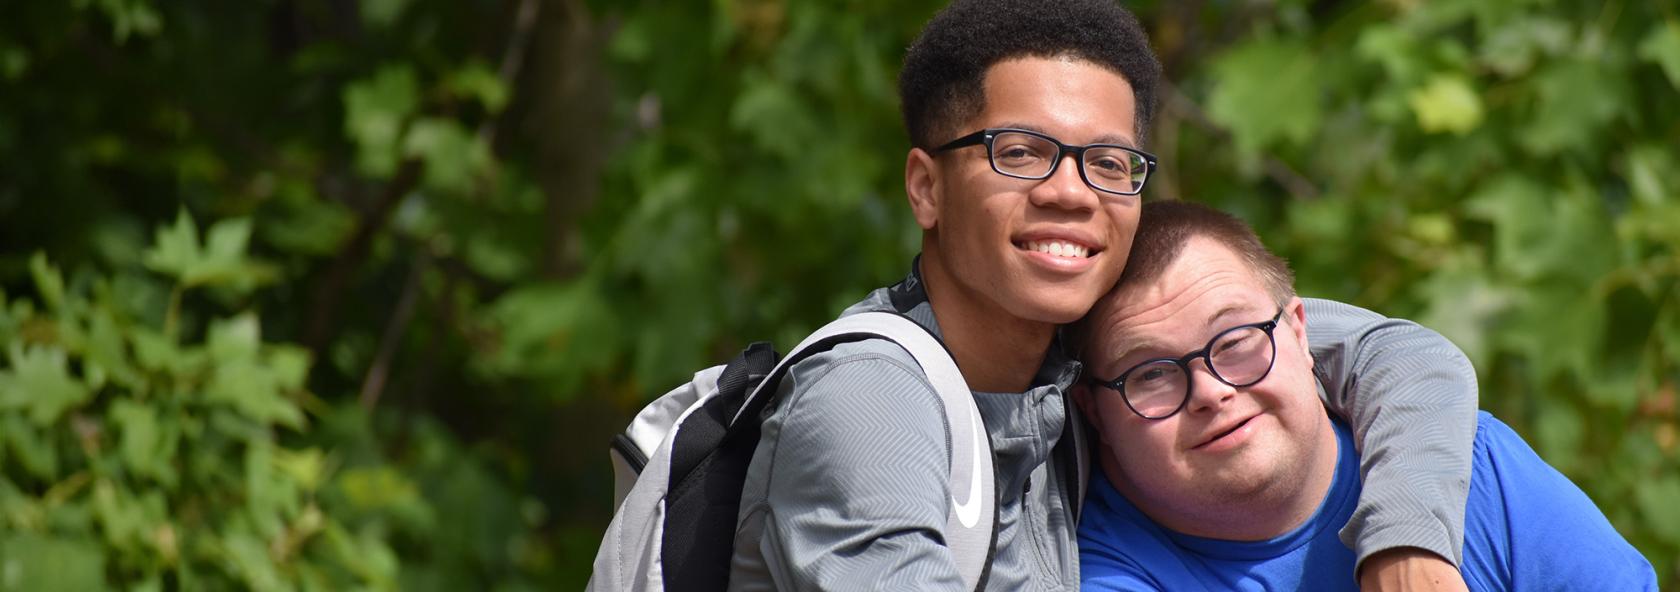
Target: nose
<point>1065,188</point>
<point>1207,392</point>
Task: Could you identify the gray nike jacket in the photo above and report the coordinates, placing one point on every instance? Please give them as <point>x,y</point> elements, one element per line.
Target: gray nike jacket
<point>849,488</point>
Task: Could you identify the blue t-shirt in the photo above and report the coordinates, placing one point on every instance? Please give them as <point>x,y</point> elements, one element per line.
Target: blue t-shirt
<point>1526,527</point>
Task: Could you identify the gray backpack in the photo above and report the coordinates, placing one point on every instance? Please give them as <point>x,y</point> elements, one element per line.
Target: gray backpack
<point>681,464</point>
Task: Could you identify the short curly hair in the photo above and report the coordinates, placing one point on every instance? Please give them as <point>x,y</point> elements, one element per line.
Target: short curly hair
<point>941,85</point>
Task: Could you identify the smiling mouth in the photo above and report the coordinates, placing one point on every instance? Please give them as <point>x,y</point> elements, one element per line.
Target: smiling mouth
<point>1058,248</point>
<point>1223,434</point>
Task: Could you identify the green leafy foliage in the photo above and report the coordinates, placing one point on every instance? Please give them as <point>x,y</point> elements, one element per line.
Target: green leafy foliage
<point>1271,76</point>
<point>356,292</point>
<point>136,458</point>
<point>1447,104</point>
<point>1492,172</point>
<point>218,260</point>
<point>376,111</point>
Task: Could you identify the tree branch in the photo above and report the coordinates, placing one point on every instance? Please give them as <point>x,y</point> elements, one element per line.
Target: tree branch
<point>326,297</point>
<point>374,383</point>
<point>325,301</point>
<point>513,59</point>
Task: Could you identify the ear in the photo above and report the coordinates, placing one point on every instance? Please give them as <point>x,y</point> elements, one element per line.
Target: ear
<point>1085,396</point>
<point>1081,393</point>
<point>1297,311</point>
<point>921,178</point>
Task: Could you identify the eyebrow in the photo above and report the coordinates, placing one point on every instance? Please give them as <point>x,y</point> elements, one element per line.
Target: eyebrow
<point>1137,344</point>
<point>1114,139</point>
<point>1133,344</point>
<point>1226,311</point>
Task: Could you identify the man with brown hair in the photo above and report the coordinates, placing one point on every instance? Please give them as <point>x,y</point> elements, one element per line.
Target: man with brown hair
<point>1225,472</point>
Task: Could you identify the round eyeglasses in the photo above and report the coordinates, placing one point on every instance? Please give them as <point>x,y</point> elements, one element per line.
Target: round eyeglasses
<point>1026,154</point>
<point>1239,356</point>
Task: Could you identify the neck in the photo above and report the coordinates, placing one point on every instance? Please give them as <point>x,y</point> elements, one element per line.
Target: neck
<point>997,351</point>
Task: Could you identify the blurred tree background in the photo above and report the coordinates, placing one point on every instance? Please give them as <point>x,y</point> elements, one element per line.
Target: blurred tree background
<point>332,295</point>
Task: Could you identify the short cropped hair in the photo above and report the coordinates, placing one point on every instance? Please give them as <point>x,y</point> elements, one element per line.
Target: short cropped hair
<point>942,83</point>
<point>1164,228</point>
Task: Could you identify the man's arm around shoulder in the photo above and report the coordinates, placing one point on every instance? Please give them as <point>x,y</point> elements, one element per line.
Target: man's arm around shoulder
<point>1410,396</point>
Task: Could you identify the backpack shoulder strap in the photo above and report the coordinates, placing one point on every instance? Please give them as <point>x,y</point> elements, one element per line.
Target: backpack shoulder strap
<point>1074,450</point>
<point>971,527</point>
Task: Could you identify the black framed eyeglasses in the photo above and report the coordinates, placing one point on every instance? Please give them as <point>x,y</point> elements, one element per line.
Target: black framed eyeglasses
<point>1239,356</point>
<point>1026,154</point>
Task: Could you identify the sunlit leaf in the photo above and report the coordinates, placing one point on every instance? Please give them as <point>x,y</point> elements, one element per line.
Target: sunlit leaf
<point>104,349</point>
<point>1541,230</point>
<point>253,390</point>
<point>1513,48</point>
<point>770,113</point>
<point>477,81</point>
<point>127,518</point>
<point>175,251</point>
<point>31,447</point>
<point>1575,100</point>
<point>37,380</point>
<point>270,498</point>
<point>227,239</point>
<point>382,13</point>
<point>250,560</point>
<point>1447,104</point>
<point>1656,504</point>
<point>234,339</point>
<point>306,467</point>
<point>220,261</point>
<point>366,554</point>
<point>379,488</point>
<point>308,225</point>
<point>126,18</point>
<point>48,281</point>
<point>147,443</point>
<point>154,351</point>
<point>290,365</point>
<point>30,561</point>
<point>1556,330</point>
<point>454,157</point>
<point>555,330</point>
<point>375,110</point>
<point>1465,306</point>
<point>245,381</point>
<point>1558,437</point>
<point>634,41</point>
<point>1662,45</point>
<point>1396,49</point>
<point>1266,93</point>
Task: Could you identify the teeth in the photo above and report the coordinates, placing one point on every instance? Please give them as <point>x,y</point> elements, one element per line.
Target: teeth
<point>1056,248</point>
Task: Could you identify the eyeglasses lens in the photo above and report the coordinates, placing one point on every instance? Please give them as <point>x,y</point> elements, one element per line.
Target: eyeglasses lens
<point>1109,168</point>
<point>1239,357</point>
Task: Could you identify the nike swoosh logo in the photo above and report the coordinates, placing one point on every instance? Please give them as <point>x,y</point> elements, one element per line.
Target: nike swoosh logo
<point>968,512</point>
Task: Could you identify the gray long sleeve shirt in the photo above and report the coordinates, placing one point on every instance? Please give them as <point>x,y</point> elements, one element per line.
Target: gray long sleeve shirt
<point>848,489</point>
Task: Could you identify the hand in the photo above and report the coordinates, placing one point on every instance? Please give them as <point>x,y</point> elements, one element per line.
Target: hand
<point>1409,569</point>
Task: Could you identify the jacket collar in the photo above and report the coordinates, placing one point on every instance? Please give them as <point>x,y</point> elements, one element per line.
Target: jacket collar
<point>909,297</point>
